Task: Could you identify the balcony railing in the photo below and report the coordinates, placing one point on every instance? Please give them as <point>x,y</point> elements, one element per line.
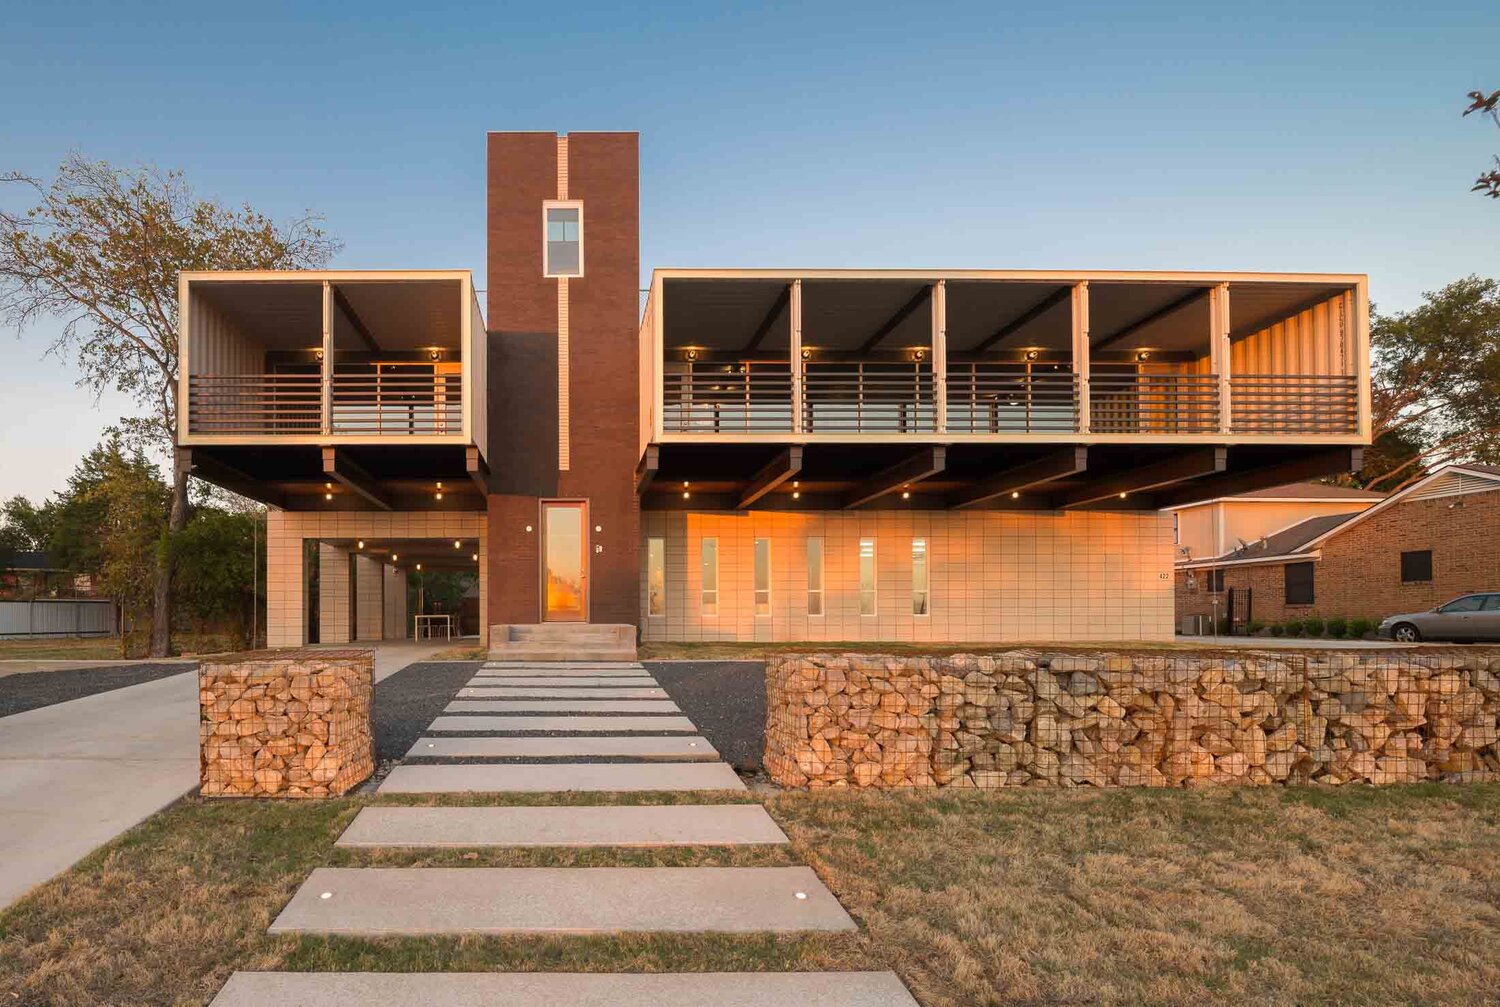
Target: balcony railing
<point>1153,403</point>
<point>395,405</point>
<point>1293,404</point>
<point>368,404</point>
<point>868,397</point>
<point>745,397</point>
<point>254,404</point>
<point>992,398</point>
<point>894,397</point>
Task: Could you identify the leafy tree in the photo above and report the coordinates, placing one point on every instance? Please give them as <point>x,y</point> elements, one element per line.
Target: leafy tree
<point>1487,104</point>
<point>25,526</point>
<point>214,564</point>
<point>1436,388</point>
<point>100,250</point>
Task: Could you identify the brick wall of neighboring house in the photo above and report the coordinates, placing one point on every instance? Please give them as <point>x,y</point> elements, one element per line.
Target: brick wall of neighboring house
<point>1359,574</point>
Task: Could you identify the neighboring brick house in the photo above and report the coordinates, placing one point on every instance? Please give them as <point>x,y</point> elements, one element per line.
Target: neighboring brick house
<point>1434,540</point>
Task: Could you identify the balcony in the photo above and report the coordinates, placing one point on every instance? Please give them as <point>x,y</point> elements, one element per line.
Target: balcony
<point>993,368</point>
<point>281,368</point>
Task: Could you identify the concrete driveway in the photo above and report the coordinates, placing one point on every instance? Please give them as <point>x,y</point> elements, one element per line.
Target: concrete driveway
<point>74,775</point>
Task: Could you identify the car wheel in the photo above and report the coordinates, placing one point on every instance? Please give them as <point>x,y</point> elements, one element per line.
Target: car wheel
<point>1406,633</point>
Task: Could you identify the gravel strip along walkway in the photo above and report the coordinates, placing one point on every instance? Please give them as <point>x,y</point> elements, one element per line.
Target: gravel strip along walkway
<point>726,699</point>
<point>36,689</point>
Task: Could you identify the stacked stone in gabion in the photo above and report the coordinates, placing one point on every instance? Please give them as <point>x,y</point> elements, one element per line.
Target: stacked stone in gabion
<point>285,723</point>
<point>1031,719</point>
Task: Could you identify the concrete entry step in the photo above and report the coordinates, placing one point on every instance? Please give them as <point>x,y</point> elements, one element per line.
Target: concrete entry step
<point>564,989</point>
<point>561,706</point>
<point>563,641</point>
<point>548,692</point>
<point>670,825</point>
<point>572,900</point>
<point>561,681</point>
<point>638,747</point>
<point>498,724</point>
<point>560,778</point>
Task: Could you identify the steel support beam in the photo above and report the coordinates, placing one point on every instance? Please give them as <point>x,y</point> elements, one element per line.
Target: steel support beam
<point>925,463</point>
<point>1049,468</point>
<point>902,314</point>
<point>1191,464</point>
<point>1155,316</point>
<point>478,469</point>
<point>1024,319</point>
<point>228,477</point>
<point>775,472</point>
<point>646,468</point>
<point>1314,466</point>
<point>338,466</point>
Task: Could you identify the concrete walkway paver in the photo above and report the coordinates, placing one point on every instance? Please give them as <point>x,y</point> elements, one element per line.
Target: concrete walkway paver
<point>565,989</point>
<point>562,681</point>
<point>562,671</point>
<point>544,778</point>
<point>562,706</point>
<point>544,692</point>
<point>493,723</point>
<point>610,825</point>
<point>372,901</point>
<point>533,747</point>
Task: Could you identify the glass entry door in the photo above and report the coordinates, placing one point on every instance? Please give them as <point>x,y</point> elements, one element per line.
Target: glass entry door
<point>564,562</point>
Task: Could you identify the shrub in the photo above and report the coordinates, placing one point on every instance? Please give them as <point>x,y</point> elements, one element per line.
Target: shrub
<point>1313,625</point>
<point>1294,627</point>
<point>1254,626</point>
<point>1338,626</point>
<point>1277,629</point>
<point>1359,627</point>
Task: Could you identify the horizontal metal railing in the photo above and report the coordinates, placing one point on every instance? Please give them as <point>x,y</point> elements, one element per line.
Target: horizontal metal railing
<point>251,404</point>
<point>392,405</point>
<point>995,398</point>
<point>743,397</point>
<point>868,397</point>
<point>1153,403</point>
<point>1293,404</point>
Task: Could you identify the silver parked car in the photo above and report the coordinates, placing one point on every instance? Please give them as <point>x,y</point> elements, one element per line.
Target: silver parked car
<point>1470,617</point>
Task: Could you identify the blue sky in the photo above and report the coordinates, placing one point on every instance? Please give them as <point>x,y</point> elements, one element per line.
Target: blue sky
<point>1268,136</point>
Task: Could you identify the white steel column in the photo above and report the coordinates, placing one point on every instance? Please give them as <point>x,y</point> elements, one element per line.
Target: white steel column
<point>327,368</point>
<point>1218,320</point>
<point>940,352</point>
<point>1359,301</point>
<point>1080,305</point>
<point>794,316</point>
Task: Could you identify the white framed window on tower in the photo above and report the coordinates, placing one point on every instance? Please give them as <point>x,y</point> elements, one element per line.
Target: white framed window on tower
<point>709,566</point>
<point>762,576</point>
<point>814,576</point>
<point>866,576</point>
<point>656,576</point>
<point>562,238</point>
<point>919,579</point>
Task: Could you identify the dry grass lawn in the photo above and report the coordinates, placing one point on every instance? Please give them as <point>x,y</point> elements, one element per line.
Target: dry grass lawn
<point>1355,896</point>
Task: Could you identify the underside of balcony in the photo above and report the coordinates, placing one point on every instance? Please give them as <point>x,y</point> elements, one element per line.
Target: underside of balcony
<point>1031,477</point>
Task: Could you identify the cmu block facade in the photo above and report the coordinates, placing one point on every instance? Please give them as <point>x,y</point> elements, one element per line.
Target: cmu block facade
<point>994,576</point>
<point>1358,572</point>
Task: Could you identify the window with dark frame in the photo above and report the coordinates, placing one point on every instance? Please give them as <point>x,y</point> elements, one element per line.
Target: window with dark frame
<point>1214,582</point>
<point>1416,566</point>
<point>1299,583</point>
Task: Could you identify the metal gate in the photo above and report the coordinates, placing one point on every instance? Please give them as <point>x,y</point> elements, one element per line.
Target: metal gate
<point>1239,611</point>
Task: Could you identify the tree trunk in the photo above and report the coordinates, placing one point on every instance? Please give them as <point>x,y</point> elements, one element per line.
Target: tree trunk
<point>161,608</point>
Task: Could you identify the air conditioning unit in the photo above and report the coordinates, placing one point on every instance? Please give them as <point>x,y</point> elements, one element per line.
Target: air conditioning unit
<point>1196,625</point>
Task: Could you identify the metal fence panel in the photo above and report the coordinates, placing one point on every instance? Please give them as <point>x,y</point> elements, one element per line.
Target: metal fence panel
<point>56,617</point>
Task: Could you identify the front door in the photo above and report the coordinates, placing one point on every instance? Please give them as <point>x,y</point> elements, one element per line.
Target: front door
<point>565,567</point>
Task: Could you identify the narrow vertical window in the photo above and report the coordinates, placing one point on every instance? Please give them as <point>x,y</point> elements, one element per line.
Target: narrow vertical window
<point>815,576</point>
<point>656,576</point>
<point>710,565</point>
<point>919,576</point>
<point>562,226</point>
<point>866,576</point>
<point>762,576</point>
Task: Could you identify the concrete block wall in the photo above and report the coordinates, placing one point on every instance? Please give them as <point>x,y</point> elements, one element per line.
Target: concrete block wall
<point>370,584</point>
<point>333,594</point>
<point>994,576</point>
<point>286,606</point>
<point>396,627</point>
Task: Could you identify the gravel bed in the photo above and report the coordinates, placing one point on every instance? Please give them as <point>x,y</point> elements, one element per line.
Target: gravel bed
<point>409,700</point>
<point>726,699</point>
<point>33,690</point>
